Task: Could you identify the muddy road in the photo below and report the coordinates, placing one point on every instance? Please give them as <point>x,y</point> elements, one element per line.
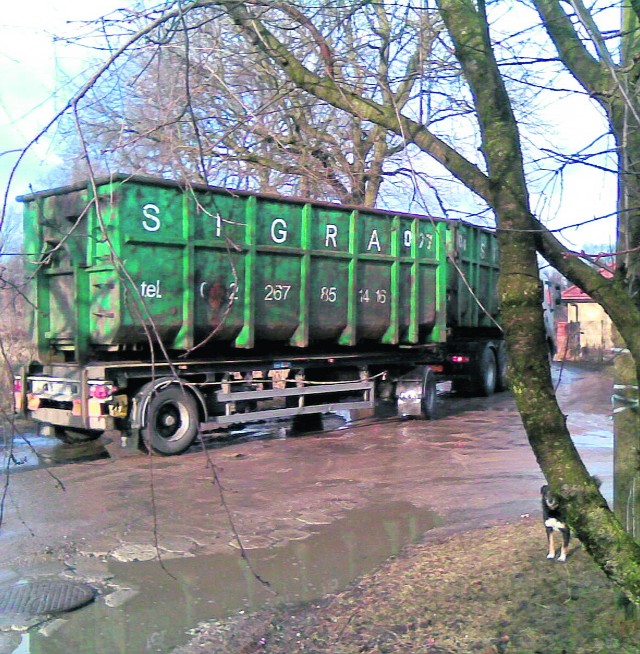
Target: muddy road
<point>160,537</point>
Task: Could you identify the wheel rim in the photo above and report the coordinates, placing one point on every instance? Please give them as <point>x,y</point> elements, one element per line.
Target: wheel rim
<point>172,421</point>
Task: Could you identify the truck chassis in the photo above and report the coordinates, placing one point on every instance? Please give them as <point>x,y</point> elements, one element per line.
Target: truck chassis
<point>164,406</point>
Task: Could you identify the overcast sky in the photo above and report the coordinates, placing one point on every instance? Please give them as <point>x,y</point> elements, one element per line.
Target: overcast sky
<point>36,76</point>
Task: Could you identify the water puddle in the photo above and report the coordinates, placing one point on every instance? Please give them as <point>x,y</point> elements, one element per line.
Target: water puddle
<point>591,430</point>
<point>157,609</point>
<point>29,452</point>
<point>594,438</point>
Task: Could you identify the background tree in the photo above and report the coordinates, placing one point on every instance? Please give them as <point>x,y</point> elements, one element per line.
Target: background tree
<point>241,123</point>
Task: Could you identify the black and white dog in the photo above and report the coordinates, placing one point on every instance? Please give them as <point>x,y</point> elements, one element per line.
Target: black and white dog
<point>554,521</point>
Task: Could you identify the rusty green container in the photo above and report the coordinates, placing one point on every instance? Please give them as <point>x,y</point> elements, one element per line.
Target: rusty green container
<point>131,260</point>
<point>472,279</point>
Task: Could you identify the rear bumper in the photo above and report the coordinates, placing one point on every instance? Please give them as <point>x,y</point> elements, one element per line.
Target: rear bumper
<point>63,418</point>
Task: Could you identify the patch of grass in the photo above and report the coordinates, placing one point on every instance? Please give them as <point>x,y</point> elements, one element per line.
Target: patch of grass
<point>488,591</point>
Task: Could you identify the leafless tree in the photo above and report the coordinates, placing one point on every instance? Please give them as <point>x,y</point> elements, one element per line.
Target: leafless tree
<point>190,104</point>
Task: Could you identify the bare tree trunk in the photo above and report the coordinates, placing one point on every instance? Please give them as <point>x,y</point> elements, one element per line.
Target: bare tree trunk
<point>624,117</point>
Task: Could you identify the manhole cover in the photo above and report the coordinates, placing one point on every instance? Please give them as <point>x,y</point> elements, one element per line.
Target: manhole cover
<point>39,597</point>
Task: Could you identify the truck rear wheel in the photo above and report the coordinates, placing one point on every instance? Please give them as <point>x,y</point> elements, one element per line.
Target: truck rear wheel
<point>483,376</point>
<point>501,362</point>
<point>429,395</point>
<point>171,420</point>
<point>416,393</point>
<point>486,374</point>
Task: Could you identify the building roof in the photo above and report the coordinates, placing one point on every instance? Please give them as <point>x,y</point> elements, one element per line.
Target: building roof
<point>574,294</point>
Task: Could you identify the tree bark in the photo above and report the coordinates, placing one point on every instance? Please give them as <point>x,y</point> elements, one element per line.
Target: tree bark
<point>626,418</point>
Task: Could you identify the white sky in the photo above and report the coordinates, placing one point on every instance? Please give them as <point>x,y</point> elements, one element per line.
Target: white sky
<point>586,192</point>
<point>33,68</point>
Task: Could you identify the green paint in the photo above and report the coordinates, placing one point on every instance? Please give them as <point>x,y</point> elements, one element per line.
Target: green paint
<point>392,335</point>
<point>348,336</point>
<point>204,265</point>
<point>300,337</point>
<point>248,300</point>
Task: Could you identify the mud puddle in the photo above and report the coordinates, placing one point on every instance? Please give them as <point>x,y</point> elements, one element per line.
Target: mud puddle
<point>593,435</point>
<point>153,608</point>
<point>29,451</point>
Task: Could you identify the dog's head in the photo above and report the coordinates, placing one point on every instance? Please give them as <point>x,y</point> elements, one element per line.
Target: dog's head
<point>548,498</point>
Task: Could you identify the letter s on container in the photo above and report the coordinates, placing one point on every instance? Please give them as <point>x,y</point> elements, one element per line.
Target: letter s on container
<point>151,213</point>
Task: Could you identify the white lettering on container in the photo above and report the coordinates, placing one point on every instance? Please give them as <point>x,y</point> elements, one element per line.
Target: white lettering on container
<point>276,292</point>
<point>378,295</point>
<point>328,294</point>
<point>151,213</point>
<point>150,290</point>
<point>330,236</point>
<point>374,241</point>
<point>279,230</point>
<point>407,238</point>
<point>425,240</point>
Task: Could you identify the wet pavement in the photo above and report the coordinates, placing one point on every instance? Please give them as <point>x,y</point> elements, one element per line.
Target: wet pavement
<point>260,518</point>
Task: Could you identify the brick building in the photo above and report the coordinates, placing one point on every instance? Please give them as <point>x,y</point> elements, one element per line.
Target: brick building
<point>587,332</point>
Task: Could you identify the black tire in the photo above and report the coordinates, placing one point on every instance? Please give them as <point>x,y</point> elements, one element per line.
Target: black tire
<point>486,374</point>
<point>171,420</point>
<point>429,395</point>
<point>501,374</point>
<point>74,436</point>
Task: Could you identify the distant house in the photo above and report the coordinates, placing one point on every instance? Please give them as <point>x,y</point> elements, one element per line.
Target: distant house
<point>587,332</point>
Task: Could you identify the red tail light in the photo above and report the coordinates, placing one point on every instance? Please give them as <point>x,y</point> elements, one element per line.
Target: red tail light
<point>100,391</point>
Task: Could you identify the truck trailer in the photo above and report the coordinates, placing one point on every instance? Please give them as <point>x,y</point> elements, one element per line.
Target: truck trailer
<point>164,310</point>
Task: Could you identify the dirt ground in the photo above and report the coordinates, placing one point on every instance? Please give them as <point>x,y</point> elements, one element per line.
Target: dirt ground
<point>488,591</point>
<point>315,512</point>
